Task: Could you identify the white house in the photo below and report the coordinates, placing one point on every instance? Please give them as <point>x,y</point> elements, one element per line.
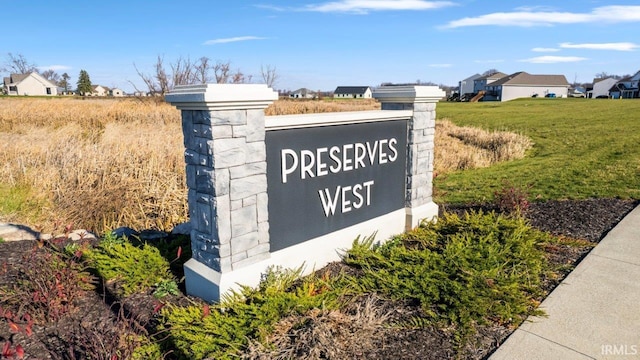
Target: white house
<point>115,92</point>
<point>98,90</point>
<point>601,87</point>
<point>303,93</point>
<point>353,92</point>
<point>626,88</point>
<point>466,86</point>
<point>29,84</point>
<point>522,84</point>
<point>481,83</point>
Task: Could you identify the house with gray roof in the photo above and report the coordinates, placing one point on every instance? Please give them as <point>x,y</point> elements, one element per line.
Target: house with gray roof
<point>522,84</point>
<point>352,92</point>
<point>480,83</point>
<point>626,88</point>
<point>466,86</point>
<point>28,84</point>
<point>601,87</point>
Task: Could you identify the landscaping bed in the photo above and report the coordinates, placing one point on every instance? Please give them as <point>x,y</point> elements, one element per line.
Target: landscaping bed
<point>74,312</point>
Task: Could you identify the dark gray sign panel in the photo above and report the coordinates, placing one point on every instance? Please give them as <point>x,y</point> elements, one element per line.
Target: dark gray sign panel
<point>324,179</point>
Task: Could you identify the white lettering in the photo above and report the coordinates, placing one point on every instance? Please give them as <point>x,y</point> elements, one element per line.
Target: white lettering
<point>334,154</point>
<point>356,192</point>
<point>328,203</point>
<point>383,155</point>
<point>306,167</point>
<point>346,204</point>
<point>372,152</point>
<point>360,153</point>
<point>392,146</point>
<point>321,168</point>
<point>346,159</point>
<point>343,196</point>
<point>288,170</point>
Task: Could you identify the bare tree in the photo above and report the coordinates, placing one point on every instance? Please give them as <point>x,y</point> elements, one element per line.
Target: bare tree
<point>221,71</point>
<point>269,75</point>
<point>51,75</point>
<point>490,72</point>
<point>18,64</point>
<point>202,70</point>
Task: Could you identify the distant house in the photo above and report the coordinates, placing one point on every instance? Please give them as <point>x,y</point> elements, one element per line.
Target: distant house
<point>303,93</point>
<point>115,92</point>
<point>479,84</point>
<point>626,88</point>
<point>601,87</point>
<point>28,84</point>
<point>522,84</point>
<point>466,86</point>
<point>353,92</point>
<point>98,90</point>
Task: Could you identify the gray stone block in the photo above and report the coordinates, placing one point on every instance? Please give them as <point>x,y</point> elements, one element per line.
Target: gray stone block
<point>243,221</point>
<point>249,201</point>
<point>191,171</point>
<point>221,181</point>
<point>201,117</point>
<point>205,180</point>
<point>223,218</point>
<point>202,131</point>
<point>236,204</point>
<point>221,132</point>
<point>255,125</point>
<point>256,152</point>
<point>259,249</point>
<point>229,152</point>
<point>245,170</point>
<point>244,242</point>
<point>263,232</point>
<point>251,260</point>
<point>248,186</point>
<point>229,117</point>
<point>262,203</point>
<point>205,219</point>
<point>238,257</point>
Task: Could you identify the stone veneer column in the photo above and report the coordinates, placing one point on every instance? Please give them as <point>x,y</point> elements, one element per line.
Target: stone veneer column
<point>224,133</point>
<point>422,100</point>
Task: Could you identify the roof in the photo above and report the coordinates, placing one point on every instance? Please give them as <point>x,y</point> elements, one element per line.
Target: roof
<point>498,75</point>
<point>18,78</point>
<point>351,89</point>
<point>303,91</point>
<point>523,78</point>
<point>473,77</point>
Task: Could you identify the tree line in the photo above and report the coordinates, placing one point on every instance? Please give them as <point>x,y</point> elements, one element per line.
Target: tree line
<point>162,79</point>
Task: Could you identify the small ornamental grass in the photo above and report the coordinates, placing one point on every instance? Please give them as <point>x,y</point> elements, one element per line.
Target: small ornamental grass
<point>463,271</point>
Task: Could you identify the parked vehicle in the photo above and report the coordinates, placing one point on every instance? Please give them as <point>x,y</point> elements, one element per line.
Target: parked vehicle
<point>550,95</point>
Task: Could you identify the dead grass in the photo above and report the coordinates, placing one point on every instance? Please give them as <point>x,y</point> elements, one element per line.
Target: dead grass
<point>101,164</point>
<point>461,148</point>
<point>303,106</point>
<point>324,334</point>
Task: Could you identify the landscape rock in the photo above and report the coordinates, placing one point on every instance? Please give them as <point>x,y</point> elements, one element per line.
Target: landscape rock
<point>182,229</point>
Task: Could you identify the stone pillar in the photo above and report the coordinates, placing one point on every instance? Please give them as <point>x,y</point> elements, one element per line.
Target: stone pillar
<point>223,126</point>
<point>422,101</point>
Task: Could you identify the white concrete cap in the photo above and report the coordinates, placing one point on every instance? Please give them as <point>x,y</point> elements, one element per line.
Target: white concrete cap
<point>221,96</point>
<point>408,94</point>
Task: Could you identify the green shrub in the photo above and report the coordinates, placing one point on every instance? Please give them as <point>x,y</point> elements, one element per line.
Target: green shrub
<point>463,271</point>
<point>133,269</point>
<point>220,331</point>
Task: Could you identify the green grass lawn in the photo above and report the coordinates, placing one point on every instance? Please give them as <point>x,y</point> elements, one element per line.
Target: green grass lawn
<point>584,148</point>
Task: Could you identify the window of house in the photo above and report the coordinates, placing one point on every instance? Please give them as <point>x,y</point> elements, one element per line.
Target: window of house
<point>48,91</point>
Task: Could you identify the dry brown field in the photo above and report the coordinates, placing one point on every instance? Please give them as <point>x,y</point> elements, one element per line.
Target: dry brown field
<point>99,164</point>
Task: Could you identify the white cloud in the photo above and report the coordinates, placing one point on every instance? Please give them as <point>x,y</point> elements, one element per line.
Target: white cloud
<point>365,6</point>
<point>553,59</point>
<point>54,67</point>
<point>440,65</point>
<point>232,39</point>
<point>609,14</point>
<point>620,46</point>
<point>541,49</point>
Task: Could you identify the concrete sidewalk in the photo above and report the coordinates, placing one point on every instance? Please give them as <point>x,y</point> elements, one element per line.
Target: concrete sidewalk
<point>595,312</point>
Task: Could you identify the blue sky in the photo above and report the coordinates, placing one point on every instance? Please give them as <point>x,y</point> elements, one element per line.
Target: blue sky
<point>322,44</point>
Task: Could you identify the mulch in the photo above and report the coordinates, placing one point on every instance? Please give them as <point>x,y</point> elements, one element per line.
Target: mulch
<point>100,312</point>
